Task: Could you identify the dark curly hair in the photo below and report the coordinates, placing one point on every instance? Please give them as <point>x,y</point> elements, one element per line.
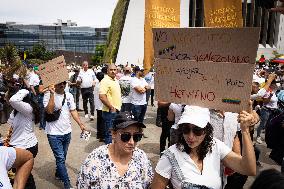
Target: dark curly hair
<point>203,148</point>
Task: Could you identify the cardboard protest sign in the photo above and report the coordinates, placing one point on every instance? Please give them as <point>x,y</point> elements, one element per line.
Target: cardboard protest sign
<point>222,86</point>
<point>236,45</point>
<point>53,71</point>
<point>223,13</point>
<point>158,14</point>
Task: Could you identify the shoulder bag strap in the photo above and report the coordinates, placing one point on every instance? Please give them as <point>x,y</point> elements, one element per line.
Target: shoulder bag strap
<point>63,101</point>
<point>175,165</point>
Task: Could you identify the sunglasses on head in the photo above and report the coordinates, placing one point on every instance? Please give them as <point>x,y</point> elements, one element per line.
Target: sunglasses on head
<point>63,83</point>
<point>195,130</point>
<point>125,137</point>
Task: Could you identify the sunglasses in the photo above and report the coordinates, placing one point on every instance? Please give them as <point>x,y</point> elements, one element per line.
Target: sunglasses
<point>195,130</point>
<point>125,137</point>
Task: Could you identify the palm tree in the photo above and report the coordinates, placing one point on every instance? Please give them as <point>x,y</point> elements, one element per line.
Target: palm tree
<point>10,60</point>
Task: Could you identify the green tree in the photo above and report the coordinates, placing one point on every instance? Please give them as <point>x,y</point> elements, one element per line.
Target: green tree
<point>40,52</point>
<point>97,58</point>
<point>115,30</point>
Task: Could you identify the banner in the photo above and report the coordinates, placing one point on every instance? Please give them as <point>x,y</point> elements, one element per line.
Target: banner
<point>53,72</point>
<point>223,13</point>
<point>221,86</point>
<point>158,14</point>
<point>236,45</point>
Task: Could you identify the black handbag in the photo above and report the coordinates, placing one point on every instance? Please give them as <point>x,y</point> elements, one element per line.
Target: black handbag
<point>56,113</point>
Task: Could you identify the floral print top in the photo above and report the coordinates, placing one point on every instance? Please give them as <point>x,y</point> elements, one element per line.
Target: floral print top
<point>99,172</point>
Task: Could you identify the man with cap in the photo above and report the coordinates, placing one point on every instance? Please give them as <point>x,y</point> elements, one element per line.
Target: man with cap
<point>59,131</point>
<point>139,87</point>
<point>34,81</point>
<point>119,164</point>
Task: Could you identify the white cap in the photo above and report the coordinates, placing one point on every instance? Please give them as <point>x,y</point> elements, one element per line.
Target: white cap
<point>195,115</point>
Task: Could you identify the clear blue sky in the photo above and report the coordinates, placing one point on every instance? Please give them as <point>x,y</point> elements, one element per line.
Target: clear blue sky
<point>95,13</point>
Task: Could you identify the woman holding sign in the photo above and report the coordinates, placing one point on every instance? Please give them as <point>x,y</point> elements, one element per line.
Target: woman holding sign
<point>194,162</point>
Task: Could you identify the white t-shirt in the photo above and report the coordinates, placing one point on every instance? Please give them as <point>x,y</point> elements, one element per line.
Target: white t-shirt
<point>176,108</point>
<point>210,176</point>
<point>7,159</point>
<point>34,79</point>
<point>87,78</point>
<point>138,98</point>
<point>125,87</point>
<point>23,135</point>
<point>98,102</point>
<point>61,126</point>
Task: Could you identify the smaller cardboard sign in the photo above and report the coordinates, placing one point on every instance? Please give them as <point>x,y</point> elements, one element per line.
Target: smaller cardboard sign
<point>221,86</point>
<point>53,71</point>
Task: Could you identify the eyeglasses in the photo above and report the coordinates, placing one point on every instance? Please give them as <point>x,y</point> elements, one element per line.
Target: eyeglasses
<point>125,137</point>
<point>196,130</point>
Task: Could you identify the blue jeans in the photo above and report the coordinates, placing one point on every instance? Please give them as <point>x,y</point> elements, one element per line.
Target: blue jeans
<point>126,107</point>
<point>108,118</point>
<point>59,146</point>
<point>139,112</point>
<point>264,116</point>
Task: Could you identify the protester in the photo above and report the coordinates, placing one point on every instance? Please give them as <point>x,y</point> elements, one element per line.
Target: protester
<point>149,78</point>
<point>124,83</point>
<point>86,79</point>
<point>34,81</point>
<point>99,107</point>
<point>138,100</point>
<point>18,158</point>
<point>200,154</point>
<point>174,113</point>
<point>24,116</point>
<point>75,89</point>
<point>166,125</point>
<point>59,131</point>
<point>269,103</point>
<point>110,95</point>
<point>119,164</point>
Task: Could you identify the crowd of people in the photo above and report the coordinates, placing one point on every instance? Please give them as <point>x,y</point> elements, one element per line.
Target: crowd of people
<point>207,148</point>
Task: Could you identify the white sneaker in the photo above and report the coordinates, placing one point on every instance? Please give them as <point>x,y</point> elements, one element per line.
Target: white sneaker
<point>258,140</point>
<point>92,117</point>
<point>86,116</point>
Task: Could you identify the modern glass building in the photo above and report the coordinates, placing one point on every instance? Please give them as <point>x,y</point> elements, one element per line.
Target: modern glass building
<point>60,36</point>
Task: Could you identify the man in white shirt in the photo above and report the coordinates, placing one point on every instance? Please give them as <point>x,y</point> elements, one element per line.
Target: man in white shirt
<point>86,79</point>
<point>34,81</point>
<point>267,94</point>
<point>59,131</point>
<point>124,83</point>
<point>139,87</point>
